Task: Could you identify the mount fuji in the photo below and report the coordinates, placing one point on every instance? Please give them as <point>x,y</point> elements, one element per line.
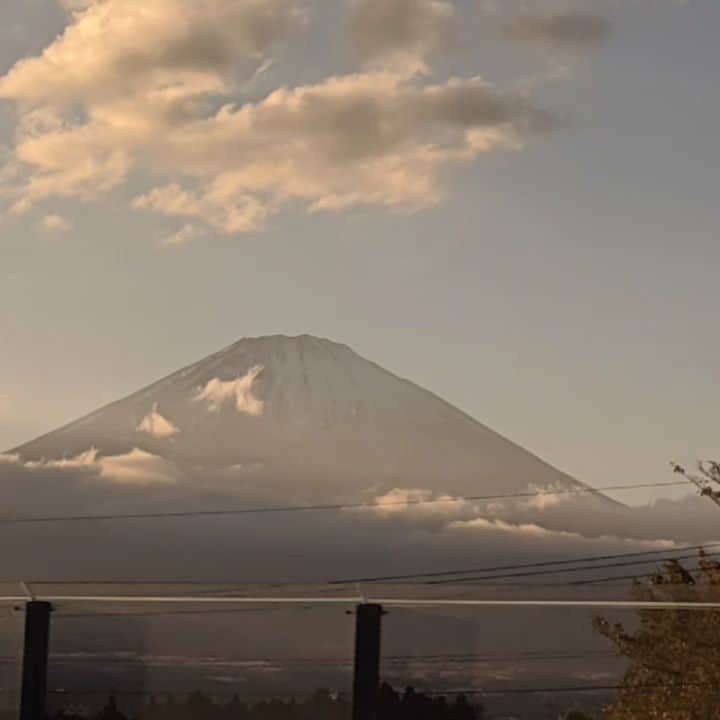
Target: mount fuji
<point>305,419</point>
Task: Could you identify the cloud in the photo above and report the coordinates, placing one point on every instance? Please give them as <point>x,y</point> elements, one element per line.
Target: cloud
<point>570,31</point>
<point>55,223</point>
<point>533,530</point>
<point>547,497</point>
<point>225,211</point>
<point>185,235</point>
<point>157,88</point>
<point>87,459</point>
<point>404,500</point>
<point>115,49</point>
<point>155,425</point>
<point>400,34</point>
<point>217,393</point>
<point>136,467</point>
<point>121,72</point>
<point>366,139</point>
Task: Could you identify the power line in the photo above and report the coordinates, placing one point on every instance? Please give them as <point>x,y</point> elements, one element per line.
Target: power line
<point>596,581</point>
<point>24,520</point>
<point>497,568</point>
<point>232,586</point>
<point>553,571</point>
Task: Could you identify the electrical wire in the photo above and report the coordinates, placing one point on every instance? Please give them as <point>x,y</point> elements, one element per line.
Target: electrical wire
<point>24,520</point>
<point>497,568</point>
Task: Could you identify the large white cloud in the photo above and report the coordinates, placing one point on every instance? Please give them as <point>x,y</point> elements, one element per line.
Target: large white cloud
<point>122,72</point>
<point>122,48</point>
<point>365,139</point>
<point>157,86</point>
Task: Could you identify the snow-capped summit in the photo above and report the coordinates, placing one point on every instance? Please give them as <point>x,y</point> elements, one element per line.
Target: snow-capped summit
<point>307,414</point>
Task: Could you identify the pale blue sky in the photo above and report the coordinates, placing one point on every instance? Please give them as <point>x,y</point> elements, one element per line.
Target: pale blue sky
<point>564,294</point>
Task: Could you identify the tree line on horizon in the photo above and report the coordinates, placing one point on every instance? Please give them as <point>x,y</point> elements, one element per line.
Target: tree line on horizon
<point>321,705</point>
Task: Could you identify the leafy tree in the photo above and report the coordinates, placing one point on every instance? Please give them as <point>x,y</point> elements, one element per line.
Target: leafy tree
<point>707,479</point>
<point>674,670</point>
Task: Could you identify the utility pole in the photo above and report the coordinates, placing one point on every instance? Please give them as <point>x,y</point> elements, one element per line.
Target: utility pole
<point>366,681</point>
<point>33,693</point>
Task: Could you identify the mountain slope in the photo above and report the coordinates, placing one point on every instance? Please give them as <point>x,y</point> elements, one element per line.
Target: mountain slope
<point>306,415</point>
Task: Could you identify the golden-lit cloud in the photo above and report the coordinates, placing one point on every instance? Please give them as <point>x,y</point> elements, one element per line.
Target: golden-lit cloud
<point>418,501</point>
<point>157,88</point>
<point>55,223</point>
<point>228,212</point>
<point>534,530</point>
<point>186,234</point>
<point>156,425</point>
<point>365,139</point>
<point>136,467</point>
<point>118,49</point>
<point>239,392</point>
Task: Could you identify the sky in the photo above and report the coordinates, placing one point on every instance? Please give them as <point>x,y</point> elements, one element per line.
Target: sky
<point>512,204</point>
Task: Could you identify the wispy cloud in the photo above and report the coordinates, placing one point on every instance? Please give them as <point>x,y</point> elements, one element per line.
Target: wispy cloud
<point>217,205</point>
<point>55,223</point>
<point>400,34</point>
<point>575,32</point>
<point>186,234</point>
<point>533,530</point>
<point>417,501</point>
<point>136,467</point>
<point>547,497</point>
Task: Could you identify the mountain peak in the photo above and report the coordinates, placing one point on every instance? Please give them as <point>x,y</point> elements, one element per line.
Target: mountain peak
<point>308,411</point>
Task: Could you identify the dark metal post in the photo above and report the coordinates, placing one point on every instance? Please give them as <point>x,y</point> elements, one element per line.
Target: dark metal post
<point>367,661</point>
<point>33,694</point>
